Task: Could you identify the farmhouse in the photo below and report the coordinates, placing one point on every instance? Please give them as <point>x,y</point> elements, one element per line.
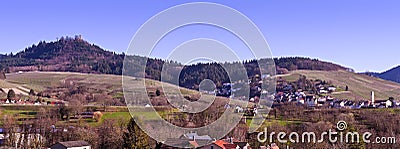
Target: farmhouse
<point>383,103</point>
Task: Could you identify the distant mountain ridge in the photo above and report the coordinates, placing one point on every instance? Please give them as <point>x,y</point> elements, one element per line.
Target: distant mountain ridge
<point>390,75</point>
<point>77,55</point>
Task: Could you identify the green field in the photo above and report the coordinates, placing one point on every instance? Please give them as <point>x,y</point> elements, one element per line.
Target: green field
<point>18,114</point>
<point>21,112</point>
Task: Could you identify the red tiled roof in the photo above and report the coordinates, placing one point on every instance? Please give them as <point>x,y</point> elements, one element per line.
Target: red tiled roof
<point>220,143</point>
<point>225,145</point>
<point>194,143</point>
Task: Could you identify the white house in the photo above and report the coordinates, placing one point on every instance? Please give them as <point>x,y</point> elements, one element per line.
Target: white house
<point>332,89</point>
<point>323,91</point>
<point>385,103</point>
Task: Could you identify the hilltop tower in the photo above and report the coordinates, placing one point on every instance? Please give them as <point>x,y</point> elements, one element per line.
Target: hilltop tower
<point>78,37</point>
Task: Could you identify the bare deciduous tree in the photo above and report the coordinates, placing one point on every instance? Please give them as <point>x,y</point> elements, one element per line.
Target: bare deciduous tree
<point>10,125</point>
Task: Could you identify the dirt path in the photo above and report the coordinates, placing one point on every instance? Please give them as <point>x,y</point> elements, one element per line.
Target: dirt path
<point>23,89</point>
<point>16,90</point>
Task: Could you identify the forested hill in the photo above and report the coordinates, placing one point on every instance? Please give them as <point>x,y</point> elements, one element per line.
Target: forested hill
<point>66,54</point>
<point>77,55</point>
<point>391,75</point>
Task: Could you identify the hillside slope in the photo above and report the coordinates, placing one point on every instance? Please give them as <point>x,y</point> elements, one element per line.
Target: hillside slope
<point>40,81</point>
<point>99,88</point>
<point>359,85</point>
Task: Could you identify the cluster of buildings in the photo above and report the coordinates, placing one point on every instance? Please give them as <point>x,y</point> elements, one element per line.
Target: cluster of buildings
<point>193,140</point>
<point>19,102</point>
<point>28,102</point>
<point>329,101</point>
<point>188,140</point>
<point>225,90</point>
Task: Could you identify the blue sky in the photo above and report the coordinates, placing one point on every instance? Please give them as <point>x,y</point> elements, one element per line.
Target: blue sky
<point>361,34</point>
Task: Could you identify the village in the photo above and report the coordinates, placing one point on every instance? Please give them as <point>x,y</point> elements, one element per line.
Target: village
<point>311,93</point>
<point>321,96</point>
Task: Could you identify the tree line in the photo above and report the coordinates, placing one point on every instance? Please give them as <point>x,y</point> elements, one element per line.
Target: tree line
<point>76,55</point>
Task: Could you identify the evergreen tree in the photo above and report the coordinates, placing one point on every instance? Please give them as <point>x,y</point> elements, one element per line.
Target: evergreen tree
<point>135,138</point>
<point>11,94</point>
<point>63,112</point>
<point>32,92</point>
<point>158,93</point>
